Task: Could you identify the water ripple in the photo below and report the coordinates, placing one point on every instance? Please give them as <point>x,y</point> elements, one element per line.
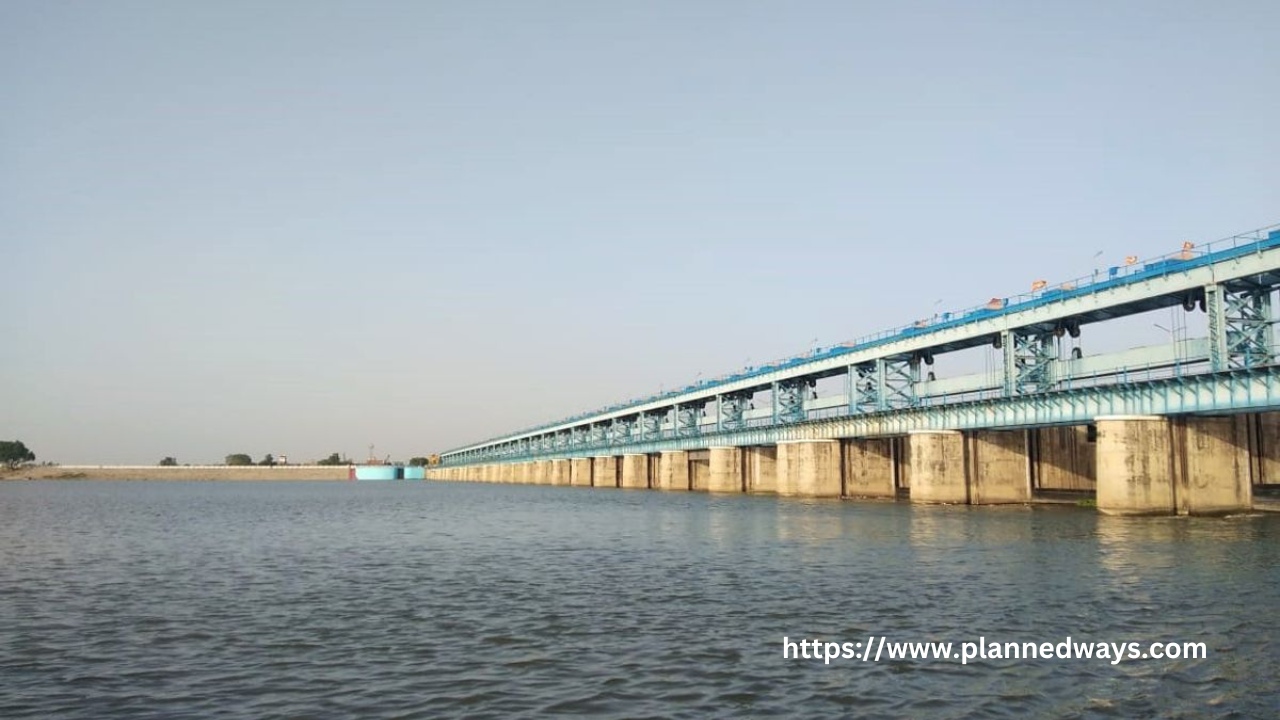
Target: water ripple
<point>417,600</point>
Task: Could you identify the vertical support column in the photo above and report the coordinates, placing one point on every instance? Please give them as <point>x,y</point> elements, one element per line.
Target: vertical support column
<point>999,471</point>
<point>673,470</point>
<point>1215,308</point>
<point>851,389</point>
<point>541,472</point>
<point>809,468</point>
<point>896,380</point>
<point>1240,331</point>
<point>688,420</point>
<point>1135,465</point>
<point>762,468</point>
<point>868,468</point>
<point>635,471</point>
<point>938,467</point>
<point>790,400</point>
<point>1027,361</point>
<point>731,409</point>
<point>580,472</point>
<point>604,471</point>
<point>726,470</point>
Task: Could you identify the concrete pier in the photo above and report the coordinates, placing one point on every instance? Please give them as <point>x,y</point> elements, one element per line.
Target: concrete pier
<point>673,470</point>
<point>604,471</point>
<point>1135,465</point>
<point>635,471</point>
<point>999,471</point>
<point>1145,465</point>
<point>726,470</point>
<point>809,468</point>
<point>580,472</point>
<point>762,468</point>
<point>558,473</point>
<point>868,468</point>
<point>938,467</point>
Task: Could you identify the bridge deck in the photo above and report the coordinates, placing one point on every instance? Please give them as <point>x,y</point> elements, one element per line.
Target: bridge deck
<point>1136,288</point>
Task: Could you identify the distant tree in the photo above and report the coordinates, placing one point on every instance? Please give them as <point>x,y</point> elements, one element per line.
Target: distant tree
<point>13,453</point>
<point>267,460</point>
<point>168,461</point>
<point>419,461</point>
<point>333,459</point>
<point>239,459</point>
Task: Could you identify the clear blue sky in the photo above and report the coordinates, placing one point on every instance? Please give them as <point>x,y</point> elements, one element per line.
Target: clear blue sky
<point>303,227</point>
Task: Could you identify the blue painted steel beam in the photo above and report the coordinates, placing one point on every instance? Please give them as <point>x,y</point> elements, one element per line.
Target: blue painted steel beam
<point>1245,390</point>
<point>1234,277</point>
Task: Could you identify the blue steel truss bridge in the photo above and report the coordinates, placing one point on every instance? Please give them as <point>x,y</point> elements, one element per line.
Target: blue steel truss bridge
<point>884,385</point>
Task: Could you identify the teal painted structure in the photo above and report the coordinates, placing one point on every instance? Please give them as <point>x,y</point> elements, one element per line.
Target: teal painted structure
<point>376,472</point>
<point>888,389</point>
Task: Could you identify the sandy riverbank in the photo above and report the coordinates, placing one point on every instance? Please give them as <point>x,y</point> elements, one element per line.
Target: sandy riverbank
<point>209,472</point>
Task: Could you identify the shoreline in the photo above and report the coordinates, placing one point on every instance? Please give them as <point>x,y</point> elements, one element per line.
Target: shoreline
<point>201,472</point>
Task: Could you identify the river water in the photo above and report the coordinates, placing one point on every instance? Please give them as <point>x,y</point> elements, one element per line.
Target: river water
<point>434,600</point>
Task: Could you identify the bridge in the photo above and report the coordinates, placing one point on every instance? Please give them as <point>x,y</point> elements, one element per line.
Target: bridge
<point>1180,427</point>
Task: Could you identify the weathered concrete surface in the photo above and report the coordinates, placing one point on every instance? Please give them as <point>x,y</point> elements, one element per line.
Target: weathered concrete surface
<point>1064,459</point>
<point>559,473</point>
<point>604,471</point>
<point>809,468</point>
<point>1217,478</point>
<point>726,470</point>
<point>938,467</point>
<point>581,471</point>
<point>673,470</point>
<point>541,472</point>
<point>635,471</point>
<point>1135,465</point>
<point>762,468</point>
<point>998,467</point>
<point>868,468</point>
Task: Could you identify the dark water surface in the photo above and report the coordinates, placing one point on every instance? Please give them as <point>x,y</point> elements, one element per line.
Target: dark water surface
<point>426,600</point>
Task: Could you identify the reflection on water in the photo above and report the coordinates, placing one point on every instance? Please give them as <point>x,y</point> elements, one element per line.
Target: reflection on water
<point>124,600</point>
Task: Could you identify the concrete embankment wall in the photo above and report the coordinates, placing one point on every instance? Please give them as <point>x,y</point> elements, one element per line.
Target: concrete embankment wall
<point>207,472</point>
